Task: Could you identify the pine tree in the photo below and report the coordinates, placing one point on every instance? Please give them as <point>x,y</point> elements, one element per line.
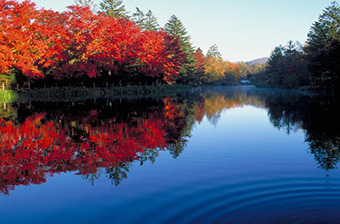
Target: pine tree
<point>275,66</point>
<point>326,29</point>
<point>213,52</point>
<point>146,21</point>
<point>138,17</point>
<point>290,48</point>
<point>175,27</point>
<point>113,8</point>
<point>151,21</point>
<point>323,50</point>
<point>86,3</point>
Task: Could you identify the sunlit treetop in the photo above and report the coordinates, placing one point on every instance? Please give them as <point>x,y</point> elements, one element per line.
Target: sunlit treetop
<point>326,28</point>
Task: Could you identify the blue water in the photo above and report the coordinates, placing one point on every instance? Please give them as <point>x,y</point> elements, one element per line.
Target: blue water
<point>235,168</point>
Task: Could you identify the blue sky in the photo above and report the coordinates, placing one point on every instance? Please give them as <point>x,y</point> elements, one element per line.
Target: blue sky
<point>242,29</point>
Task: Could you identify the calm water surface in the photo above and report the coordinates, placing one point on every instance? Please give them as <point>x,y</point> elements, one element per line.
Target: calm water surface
<point>222,155</point>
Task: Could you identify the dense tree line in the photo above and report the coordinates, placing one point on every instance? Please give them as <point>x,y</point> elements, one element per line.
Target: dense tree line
<point>316,64</point>
<point>102,43</point>
<point>39,44</point>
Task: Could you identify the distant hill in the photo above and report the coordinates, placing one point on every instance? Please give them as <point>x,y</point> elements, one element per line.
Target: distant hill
<point>258,61</point>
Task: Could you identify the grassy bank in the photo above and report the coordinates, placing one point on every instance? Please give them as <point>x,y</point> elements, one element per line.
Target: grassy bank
<point>79,93</point>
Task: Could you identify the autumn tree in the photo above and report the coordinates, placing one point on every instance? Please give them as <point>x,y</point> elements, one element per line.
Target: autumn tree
<point>214,69</point>
<point>23,39</point>
<point>80,46</point>
<point>199,64</point>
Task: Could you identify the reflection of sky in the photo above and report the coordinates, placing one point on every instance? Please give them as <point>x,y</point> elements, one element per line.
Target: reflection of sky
<point>243,30</point>
<point>246,138</point>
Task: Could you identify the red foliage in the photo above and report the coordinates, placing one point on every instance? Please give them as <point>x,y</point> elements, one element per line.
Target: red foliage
<point>20,44</point>
<point>199,58</point>
<point>39,42</point>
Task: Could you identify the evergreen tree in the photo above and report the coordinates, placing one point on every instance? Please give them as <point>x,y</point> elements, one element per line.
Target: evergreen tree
<point>138,17</point>
<point>323,50</point>
<point>287,67</point>
<point>213,52</point>
<point>290,48</point>
<point>175,27</point>
<point>113,8</point>
<point>326,29</point>
<point>146,21</point>
<point>151,21</point>
<point>86,3</point>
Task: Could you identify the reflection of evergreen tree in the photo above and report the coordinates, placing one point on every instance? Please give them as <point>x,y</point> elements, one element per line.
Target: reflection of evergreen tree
<point>177,148</point>
<point>118,173</point>
<point>321,123</point>
<point>317,115</point>
<point>325,150</point>
<point>148,155</point>
<point>285,111</point>
<point>91,177</point>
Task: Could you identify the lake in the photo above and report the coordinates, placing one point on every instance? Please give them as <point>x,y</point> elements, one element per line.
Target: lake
<point>209,155</point>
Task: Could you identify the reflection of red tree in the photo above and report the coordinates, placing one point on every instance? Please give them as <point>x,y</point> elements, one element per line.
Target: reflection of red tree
<point>40,147</point>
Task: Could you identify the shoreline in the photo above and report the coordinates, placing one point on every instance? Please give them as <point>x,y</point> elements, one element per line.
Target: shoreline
<point>83,93</point>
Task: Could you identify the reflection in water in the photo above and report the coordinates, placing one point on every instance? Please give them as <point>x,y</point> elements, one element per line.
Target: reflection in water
<point>86,137</point>
<point>103,137</point>
<point>318,116</point>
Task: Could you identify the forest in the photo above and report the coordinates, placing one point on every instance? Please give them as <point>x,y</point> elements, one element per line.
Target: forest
<point>91,45</point>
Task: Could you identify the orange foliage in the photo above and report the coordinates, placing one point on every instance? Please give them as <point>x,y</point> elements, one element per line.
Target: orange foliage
<point>79,43</point>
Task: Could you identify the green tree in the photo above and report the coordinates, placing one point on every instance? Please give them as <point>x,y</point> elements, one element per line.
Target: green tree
<point>287,67</point>
<point>275,63</point>
<point>175,27</point>
<point>326,28</point>
<point>323,50</point>
<point>86,3</point>
<point>113,8</point>
<point>146,21</point>
<point>213,52</point>
<point>138,17</point>
<point>290,48</point>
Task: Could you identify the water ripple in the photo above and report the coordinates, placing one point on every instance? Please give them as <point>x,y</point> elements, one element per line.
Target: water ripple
<point>283,200</point>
